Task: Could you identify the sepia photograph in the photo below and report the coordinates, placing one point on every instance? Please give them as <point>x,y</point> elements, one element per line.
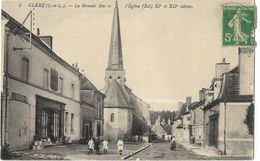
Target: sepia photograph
<point>128,79</point>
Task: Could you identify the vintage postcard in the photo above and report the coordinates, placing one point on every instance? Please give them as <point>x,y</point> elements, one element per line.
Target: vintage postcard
<point>128,79</point>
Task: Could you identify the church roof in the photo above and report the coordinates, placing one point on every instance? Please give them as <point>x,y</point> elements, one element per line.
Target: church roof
<point>116,96</point>
<point>115,61</point>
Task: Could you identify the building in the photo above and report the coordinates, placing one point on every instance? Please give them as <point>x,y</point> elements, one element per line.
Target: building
<point>125,114</point>
<point>181,127</point>
<point>91,110</point>
<point>162,130</point>
<point>197,122</point>
<point>41,90</point>
<point>227,108</point>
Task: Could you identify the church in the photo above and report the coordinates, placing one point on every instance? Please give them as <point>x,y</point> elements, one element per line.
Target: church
<point>125,114</point>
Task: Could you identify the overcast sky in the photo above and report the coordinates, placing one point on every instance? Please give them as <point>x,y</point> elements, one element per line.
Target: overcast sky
<point>168,53</point>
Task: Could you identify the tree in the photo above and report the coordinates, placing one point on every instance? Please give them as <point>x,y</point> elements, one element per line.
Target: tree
<point>249,121</point>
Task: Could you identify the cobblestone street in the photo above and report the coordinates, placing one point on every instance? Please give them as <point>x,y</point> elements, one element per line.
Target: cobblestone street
<point>77,151</point>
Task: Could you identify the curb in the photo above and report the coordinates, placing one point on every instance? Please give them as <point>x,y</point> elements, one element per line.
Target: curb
<point>139,150</point>
<point>214,155</point>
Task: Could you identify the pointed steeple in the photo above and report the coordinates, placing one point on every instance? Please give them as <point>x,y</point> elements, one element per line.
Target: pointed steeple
<point>115,61</point>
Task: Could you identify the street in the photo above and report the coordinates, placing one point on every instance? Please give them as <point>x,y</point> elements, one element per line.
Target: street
<point>161,151</point>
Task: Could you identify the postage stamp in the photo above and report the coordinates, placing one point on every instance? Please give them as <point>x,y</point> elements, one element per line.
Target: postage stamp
<point>238,25</point>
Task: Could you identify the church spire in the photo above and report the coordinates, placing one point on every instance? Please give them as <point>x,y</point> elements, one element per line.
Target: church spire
<point>115,61</point>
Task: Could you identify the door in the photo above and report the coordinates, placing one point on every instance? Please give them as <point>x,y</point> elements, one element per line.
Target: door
<point>98,130</point>
<point>19,125</point>
<point>87,134</point>
<point>213,130</point>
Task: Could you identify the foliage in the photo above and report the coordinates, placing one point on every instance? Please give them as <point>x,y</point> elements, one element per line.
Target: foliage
<point>163,115</point>
<point>249,121</point>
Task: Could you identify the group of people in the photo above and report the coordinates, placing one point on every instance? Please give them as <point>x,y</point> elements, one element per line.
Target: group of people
<point>99,143</point>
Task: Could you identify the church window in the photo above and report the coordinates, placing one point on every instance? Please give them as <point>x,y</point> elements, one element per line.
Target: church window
<point>112,117</point>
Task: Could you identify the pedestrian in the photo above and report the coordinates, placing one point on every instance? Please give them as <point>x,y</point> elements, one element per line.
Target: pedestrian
<point>97,143</point>
<point>105,145</point>
<point>120,146</point>
<point>90,145</point>
<point>173,143</point>
<point>192,139</point>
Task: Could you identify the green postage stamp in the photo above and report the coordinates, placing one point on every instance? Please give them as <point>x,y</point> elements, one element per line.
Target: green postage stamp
<point>238,25</point>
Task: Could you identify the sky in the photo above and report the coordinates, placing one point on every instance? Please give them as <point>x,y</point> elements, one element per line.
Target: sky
<point>168,54</point>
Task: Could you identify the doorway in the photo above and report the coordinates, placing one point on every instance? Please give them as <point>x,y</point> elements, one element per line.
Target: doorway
<point>213,130</point>
<point>98,130</point>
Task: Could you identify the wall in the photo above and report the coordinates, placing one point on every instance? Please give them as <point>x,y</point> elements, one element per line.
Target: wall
<point>21,128</point>
<point>238,141</point>
<point>121,125</point>
<point>246,71</point>
<point>206,124</point>
<point>198,129</point>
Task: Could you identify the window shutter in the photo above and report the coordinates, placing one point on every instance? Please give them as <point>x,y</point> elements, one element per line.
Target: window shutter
<point>54,80</point>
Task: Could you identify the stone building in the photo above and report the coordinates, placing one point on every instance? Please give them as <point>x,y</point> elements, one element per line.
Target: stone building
<point>91,110</point>
<point>182,122</point>
<point>161,129</point>
<point>124,113</point>
<point>197,122</point>
<point>227,109</point>
<point>41,90</point>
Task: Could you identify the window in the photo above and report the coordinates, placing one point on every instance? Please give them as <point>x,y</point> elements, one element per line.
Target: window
<point>72,90</point>
<point>112,117</point>
<point>110,77</point>
<point>72,123</point>
<point>66,122</point>
<point>56,124</point>
<point>54,80</point>
<point>45,78</point>
<point>61,85</point>
<point>25,69</point>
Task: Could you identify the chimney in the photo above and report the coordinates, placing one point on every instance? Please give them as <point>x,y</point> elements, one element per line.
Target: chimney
<point>188,100</point>
<point>221,68</point>
<point>46,39</point>
<point>246,57</point>
<point>202,94</point>
<point>38,32</point>
<point>179,105</point>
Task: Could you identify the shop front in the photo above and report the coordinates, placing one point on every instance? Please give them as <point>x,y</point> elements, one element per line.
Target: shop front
<point>49,118</point>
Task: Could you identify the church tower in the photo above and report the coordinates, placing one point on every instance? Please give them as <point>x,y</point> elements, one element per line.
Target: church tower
<point>118,111</point>
<point>115,69</point>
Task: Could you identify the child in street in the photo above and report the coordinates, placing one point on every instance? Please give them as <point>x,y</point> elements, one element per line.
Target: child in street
<point>105,145</point>
<point>90,146</point>
<point>120,146</point>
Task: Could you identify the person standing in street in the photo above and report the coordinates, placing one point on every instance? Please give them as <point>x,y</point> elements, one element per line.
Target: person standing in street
<point>105,145</point>
<point>97,143</point>
<point>90,146</point>
<point>173,143</point>
<point>120,146</point>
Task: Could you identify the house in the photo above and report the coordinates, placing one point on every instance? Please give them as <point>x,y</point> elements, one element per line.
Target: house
<point>182,122</point>
<point>40,89</point>
<point>91,110</point>
<point>227,108</point>
<point>162,130</point>
<point>197,123</point>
